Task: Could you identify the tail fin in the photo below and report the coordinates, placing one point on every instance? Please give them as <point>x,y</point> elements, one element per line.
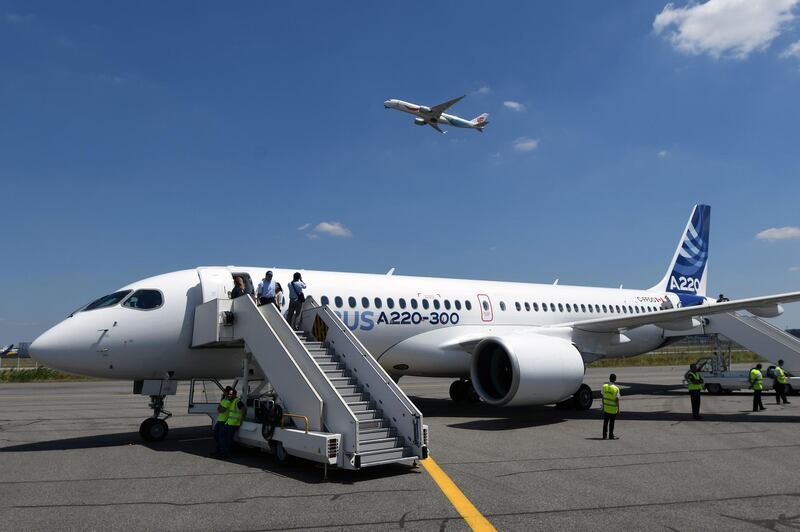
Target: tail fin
<point>688,272</point>
<point>480,121</point>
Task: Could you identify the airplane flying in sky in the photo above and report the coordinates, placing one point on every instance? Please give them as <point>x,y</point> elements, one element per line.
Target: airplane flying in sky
<point>435,116</point>
<point>509,343</point>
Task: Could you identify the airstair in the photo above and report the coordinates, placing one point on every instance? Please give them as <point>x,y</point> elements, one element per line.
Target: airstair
<point>337,405</point>
<point>758,336</point>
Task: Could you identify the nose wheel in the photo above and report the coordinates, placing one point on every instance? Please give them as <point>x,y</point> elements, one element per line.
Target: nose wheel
<point>155,428</point>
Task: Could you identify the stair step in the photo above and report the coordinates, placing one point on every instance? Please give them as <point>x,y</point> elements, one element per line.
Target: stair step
<point>365,425</point>
<point>383,455</point>
<point>342,381</point>
<point>335,373</point>
<point>366,415</point>
<point>378,444</point>
<point>374,434</point>
<point>348,389</point>
<point>360,406</point>
<point>330,365</point>
<point>315,345</point>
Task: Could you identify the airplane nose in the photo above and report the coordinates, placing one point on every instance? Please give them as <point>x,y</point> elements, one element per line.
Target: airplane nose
<point>44,348</point>
<point>387,104</point>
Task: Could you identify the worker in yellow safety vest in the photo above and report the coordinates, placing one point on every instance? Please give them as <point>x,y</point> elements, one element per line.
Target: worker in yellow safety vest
<point>235,416</point>
<point>757,384</point>
<point>695,384</point>
<point>781,380</point>
<point>222,417</point>
<point>610,406</point>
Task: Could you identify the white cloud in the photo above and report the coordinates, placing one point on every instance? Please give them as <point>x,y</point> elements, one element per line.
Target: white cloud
<point>663,154</point>
<point>333,229</point>
<point>792,51</point>
<point>482,90</point>
<point>514,106</point>
<point>724,27</point>
<point>303,227</point>
<point>779,233</point>
<point>794,269</point>
<point>526,144</point>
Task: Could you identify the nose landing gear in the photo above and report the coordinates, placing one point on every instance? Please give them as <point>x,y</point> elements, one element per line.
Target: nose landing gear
<point>155,428</point>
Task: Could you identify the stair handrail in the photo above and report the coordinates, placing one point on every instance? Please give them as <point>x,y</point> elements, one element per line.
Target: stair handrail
<point>765,327</point>
<point>311,307</point>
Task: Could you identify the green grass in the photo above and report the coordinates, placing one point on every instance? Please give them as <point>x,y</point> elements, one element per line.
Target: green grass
<point>38,374</point>
<point>676,357</point>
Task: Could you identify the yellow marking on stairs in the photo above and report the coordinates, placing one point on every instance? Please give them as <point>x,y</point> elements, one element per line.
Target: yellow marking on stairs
<point>471,515</point>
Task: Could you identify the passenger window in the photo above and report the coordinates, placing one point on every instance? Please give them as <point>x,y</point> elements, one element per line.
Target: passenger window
<point>597,308</point>
<point>590,309</point>
<point>517,305</point>
<point>527,306</point>
<point>447,304</point>
<point>553,307</point>
<point>502,305</point>
<point>569,308</point>
<point>390,302</point>
<point>560,307</point>
<point>436,304</point>
<point>144,300</point>
<point>583,308</point>
<point>458,304</point>
<point>637,309</point>
<point>324,300</point>
<point>338,301</point>
<point>378,303</point>
<point>468,304</point>
<point>617,309</point>
<point>414,303</point>
<point>402,302</point>
<point>605,310</point>
<point>107,301</point>
<point>544,307</point>
<point>351,301</point>
<point>425,304</point>
<point>624,310</point>
<point>365,302</point>
<point>630,309</point>
<point>486,305</point>
<point>536,307</point>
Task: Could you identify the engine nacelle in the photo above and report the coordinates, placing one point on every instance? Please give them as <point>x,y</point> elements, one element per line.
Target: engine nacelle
<point>767,311</point>
<point>526,370</point>
<point>424,109</point>
<point>419,121</point>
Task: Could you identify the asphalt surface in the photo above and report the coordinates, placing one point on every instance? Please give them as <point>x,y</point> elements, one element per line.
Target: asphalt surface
<point>71,458</point>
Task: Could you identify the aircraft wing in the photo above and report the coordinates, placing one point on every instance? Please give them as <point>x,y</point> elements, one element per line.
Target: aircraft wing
<point>623,323</point>
<point>437,110</point>
<point>434,126</point>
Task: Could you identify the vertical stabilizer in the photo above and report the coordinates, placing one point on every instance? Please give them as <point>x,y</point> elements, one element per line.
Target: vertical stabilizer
<point>688,271</point>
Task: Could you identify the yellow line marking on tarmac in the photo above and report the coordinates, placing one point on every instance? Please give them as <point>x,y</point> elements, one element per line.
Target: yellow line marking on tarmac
<point>471,515</point>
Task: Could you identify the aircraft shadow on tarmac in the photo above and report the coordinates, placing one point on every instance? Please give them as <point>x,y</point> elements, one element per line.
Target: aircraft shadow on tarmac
<point>198,441</point>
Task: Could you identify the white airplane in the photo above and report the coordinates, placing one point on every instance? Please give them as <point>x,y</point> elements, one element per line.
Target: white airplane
<point>434,116</point>
<point>509,343</point>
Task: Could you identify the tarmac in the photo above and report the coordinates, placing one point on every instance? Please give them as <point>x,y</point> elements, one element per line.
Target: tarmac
<point>71,459</point>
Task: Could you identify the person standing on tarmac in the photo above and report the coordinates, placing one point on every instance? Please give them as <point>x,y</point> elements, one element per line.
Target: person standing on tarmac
<point>610,406</point>
<point>235,416</point>
<point>757,384</point>
<point>695,385</point>
<point>222,417</point>
<point>780,384</point>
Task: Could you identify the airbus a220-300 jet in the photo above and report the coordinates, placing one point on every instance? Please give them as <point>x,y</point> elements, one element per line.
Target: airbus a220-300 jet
<point>509,343</point>
<point>436,116</point>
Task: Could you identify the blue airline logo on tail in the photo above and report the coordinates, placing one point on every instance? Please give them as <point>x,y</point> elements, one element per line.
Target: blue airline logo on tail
<point>690,264</point>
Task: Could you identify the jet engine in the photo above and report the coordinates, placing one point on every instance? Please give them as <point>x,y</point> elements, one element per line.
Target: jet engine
<point>526,370</point>
<point>419,121</point>
<point>767,311</point>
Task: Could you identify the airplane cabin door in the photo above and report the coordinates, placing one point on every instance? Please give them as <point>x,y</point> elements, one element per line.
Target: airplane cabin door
<point>486,307</point>
<point>216,283</point>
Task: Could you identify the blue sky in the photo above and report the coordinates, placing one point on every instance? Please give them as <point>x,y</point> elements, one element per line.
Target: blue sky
<point>140,138</point>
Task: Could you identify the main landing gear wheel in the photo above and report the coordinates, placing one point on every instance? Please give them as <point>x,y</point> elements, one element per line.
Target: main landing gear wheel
<point>582,400</point>
<point>462,391</point>
<point>153,429</point>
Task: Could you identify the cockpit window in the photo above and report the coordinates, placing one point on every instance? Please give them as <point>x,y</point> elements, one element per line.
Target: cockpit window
<point>107,301</point>
<point>144,300</point>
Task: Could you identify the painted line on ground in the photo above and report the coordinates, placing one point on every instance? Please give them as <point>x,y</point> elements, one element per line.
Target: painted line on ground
<point>471,515</point>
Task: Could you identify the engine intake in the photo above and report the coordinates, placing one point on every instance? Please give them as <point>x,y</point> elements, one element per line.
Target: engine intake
<point>526,370</point>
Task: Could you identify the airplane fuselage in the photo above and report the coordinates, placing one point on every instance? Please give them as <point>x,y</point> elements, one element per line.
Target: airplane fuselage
<point>412,325</point>
<point>420,111</point>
